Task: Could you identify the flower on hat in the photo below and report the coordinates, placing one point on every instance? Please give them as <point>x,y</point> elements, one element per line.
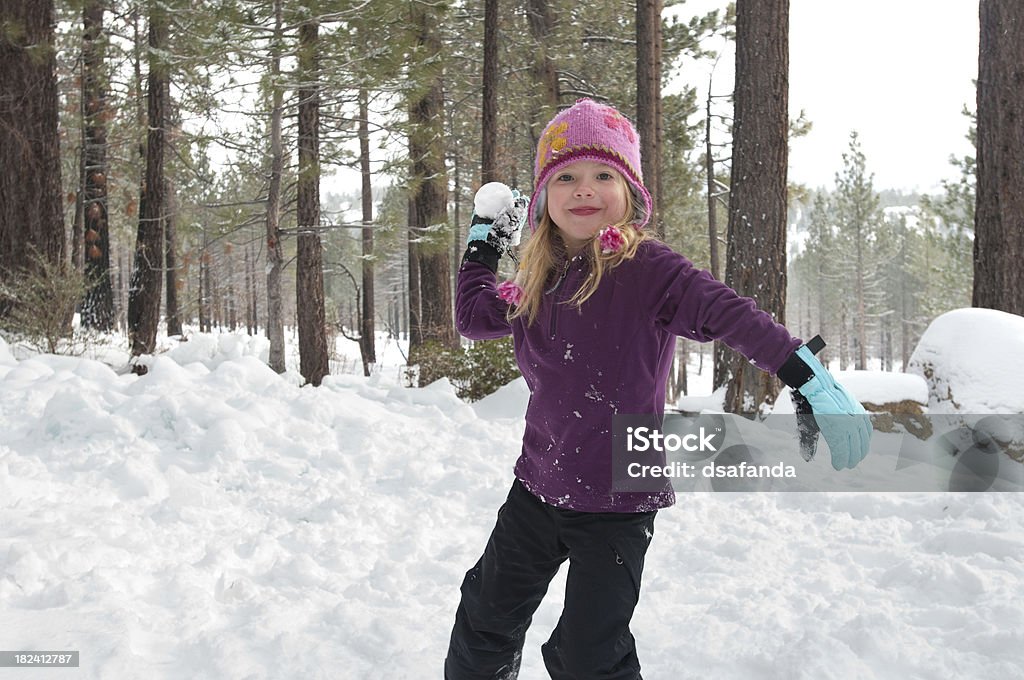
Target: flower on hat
<point>615,120</point>
<point>511,292</point>
<point>611,239</point>
<point>552,141</point>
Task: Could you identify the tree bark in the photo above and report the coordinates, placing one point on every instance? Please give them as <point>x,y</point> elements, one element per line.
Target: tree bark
<point>171,262</point>
<point>489,100</point>
<point>250,292</point>
<point>756,258</point>
<point>146,283</point>
<point>648,92</point>
<point>541,20</point>
<point>98,306</point>
<point>231,296</point>
<point>709,163</point>
<point>313,356</point>
<point>414,312</point>
<point>367,345</point>
<point>30,184</point>
<point>275,254</point>
<point>999,207</point>
<point>205,288</point>
<point>429,183</point>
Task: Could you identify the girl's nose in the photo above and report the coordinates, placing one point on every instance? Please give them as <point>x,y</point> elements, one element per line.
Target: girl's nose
<point>584,190</point>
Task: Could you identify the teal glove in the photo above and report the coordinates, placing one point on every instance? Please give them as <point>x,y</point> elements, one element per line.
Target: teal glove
<point>842,420</point>
<point>499,213</point>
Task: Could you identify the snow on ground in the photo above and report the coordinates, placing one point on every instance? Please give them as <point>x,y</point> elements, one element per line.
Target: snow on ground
<point>215,520</point>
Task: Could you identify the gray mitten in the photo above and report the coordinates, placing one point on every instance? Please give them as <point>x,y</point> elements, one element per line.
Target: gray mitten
<point>498,216</point>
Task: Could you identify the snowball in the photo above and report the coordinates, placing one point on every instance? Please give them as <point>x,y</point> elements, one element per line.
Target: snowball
<point>491,198</point>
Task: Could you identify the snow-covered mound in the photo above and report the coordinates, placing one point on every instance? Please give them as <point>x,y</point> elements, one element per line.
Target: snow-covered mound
<point>973,362</point>
<point>508,401</point>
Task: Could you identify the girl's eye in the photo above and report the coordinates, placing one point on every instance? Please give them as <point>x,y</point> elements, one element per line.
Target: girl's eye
<point>605,175</point>
<point>565,178</point>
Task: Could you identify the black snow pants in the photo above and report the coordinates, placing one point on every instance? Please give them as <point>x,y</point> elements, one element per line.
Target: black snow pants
<point>501,592</point>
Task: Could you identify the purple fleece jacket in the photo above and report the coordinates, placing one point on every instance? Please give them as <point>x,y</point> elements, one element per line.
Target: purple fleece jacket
<point>612,355</point>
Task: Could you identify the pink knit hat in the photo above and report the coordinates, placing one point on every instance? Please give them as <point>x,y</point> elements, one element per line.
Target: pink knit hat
<point>588,131</point>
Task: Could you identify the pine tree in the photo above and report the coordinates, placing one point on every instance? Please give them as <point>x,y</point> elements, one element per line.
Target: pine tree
<point>858,220</point>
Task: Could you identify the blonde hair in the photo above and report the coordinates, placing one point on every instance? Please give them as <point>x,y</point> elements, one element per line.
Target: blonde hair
<point>545,251</point>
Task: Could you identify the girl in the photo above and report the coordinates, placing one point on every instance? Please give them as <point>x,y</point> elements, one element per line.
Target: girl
<point>594,311</point>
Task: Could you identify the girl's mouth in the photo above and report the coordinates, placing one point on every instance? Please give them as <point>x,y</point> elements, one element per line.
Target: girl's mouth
<point>584,211</point>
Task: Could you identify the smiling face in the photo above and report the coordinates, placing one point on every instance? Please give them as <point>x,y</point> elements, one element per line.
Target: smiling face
<point>583,198</point>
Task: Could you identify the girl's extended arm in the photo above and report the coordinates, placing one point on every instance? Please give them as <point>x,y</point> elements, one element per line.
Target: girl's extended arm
<point>688,301</point>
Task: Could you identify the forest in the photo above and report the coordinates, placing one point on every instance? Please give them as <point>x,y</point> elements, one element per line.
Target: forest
<point>165,164</point>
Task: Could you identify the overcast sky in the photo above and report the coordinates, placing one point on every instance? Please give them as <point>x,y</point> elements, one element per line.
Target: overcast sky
<point>897,71</point>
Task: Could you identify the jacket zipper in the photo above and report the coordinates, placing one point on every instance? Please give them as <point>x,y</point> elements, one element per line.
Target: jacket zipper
<point>554,301</point>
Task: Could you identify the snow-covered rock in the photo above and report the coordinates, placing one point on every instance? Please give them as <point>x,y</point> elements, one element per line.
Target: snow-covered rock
<point>973,362</point>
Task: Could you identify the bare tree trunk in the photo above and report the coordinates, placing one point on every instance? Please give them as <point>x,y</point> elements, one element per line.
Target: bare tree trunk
<point>122,293</point>
<point>756,262</point>
<point>367,343</point>
<point>489,101</point>
<point>648,79</point>
<point>844,333</point>
<point>414,313</point>
<point>30,184</point>
<point>231,296</point>
<point>275,254</point>
<point>98,307</point>
<point>682,376</point>
<point>250,292</point>
<point>313,356</point>
<point>146,282</point>
<point>999,206</point>
<point>719,373</point>
<point>457,244</point>
<point>78,221</point>
<point>659,124</point>
<point>545,77</point>
<point>205,288</point>
<point>712,190</point>
<point>861,359</point>
<point>171,262</point>
<point>823,317</point>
